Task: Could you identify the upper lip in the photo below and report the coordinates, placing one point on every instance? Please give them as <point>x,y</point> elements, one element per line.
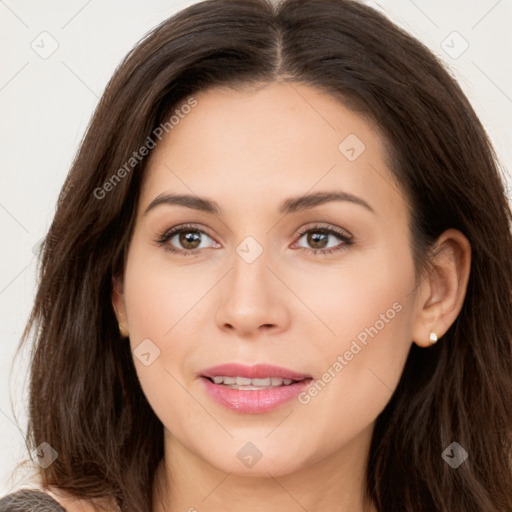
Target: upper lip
<point>258,371</point>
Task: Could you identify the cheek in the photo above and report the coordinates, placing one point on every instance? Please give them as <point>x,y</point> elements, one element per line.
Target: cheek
<point>159,294</point>
<point>165,317</point>
<point>369,312</point>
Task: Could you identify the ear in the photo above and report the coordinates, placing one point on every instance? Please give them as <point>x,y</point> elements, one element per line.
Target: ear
<point>442,291</point>
<point>118,303</point>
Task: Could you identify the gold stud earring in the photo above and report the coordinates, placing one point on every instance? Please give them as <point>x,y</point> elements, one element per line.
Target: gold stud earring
<point>433,337</point>
<point>123,331</point>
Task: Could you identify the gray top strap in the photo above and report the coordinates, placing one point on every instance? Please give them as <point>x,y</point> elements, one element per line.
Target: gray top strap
<point>29,500</point>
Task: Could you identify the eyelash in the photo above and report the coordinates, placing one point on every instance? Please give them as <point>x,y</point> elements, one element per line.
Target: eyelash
<point>327,230</point>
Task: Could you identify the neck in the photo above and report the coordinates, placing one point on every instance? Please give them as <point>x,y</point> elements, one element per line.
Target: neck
<point>189,483</point>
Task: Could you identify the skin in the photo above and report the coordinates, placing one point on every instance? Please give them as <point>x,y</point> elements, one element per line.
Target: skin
<point>249,150</point>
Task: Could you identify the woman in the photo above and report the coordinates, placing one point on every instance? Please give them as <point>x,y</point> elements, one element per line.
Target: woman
<point>278,278</point>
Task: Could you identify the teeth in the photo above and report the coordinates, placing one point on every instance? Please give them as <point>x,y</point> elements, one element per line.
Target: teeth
<point>253,383</point>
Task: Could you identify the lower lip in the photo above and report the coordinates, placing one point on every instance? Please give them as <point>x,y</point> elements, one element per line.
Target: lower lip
<point>254,401</point>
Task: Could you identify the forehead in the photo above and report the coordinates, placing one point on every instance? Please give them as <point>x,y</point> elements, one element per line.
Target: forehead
<point>248,146</point>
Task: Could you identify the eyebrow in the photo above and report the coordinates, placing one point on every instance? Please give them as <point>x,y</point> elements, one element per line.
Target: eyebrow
<point>290,205</point>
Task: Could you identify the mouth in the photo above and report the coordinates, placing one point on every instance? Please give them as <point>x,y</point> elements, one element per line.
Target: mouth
<point>244,383</point>
<point>253,389</point>
<point>256,371</point>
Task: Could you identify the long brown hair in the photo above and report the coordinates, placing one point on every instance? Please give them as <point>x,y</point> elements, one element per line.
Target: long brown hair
<point>85,399</point>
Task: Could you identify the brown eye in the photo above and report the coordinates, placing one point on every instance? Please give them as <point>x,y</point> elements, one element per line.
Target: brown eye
<point>189,239</point>
<point>318,238</point>
<point>186,240</point>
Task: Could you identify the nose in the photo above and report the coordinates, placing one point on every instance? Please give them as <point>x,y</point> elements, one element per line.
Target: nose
<point>253,299</point>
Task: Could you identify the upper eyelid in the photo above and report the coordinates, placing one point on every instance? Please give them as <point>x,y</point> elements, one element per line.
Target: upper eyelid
<point>185,227</point>
<point>323,226</point>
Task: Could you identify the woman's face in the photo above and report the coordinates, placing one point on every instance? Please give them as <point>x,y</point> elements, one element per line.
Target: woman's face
<point>242,286</point>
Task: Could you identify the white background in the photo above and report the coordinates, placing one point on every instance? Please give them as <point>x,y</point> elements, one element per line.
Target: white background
<point>45,106</point>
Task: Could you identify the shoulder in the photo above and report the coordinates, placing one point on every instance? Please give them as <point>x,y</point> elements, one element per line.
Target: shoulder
<point>47,500</point>
<point>26,500</point>
<point>69,502</point>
